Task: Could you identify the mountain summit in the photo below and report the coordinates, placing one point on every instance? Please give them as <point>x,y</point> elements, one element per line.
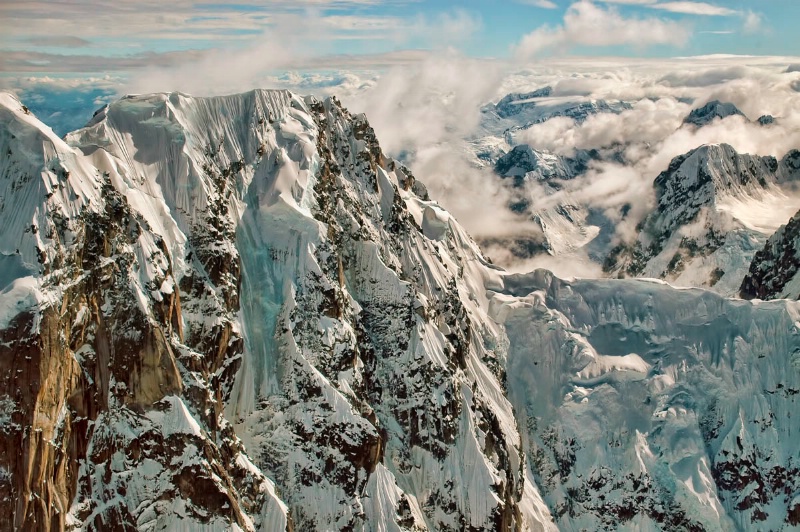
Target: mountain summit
<point>711,111</point>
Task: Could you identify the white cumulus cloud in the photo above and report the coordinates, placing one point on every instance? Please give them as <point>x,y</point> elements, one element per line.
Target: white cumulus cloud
<point>587,24</point>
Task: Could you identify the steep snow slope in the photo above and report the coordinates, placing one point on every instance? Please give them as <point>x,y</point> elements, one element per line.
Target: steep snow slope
<point>651,408</point>
<point>773,273</point>
<point>715,208</point>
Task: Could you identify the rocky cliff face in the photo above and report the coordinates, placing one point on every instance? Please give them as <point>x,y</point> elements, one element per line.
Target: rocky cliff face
<point>773,272</point>
<point>113,388</point>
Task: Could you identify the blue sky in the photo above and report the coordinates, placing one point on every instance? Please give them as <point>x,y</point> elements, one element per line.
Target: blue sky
<point>68,36</point>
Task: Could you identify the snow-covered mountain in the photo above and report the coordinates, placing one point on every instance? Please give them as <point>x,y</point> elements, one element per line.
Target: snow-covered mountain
<point>714,110</point>
<point>236,313</point>
<point>502,123</point>
<point>714,209</point>
<point>531,173</point>
<point>516,102</point>
<point>568,108</point>
<point>524,164</point>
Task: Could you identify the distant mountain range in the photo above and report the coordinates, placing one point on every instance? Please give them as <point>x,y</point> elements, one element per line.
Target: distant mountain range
<point>714,207</point>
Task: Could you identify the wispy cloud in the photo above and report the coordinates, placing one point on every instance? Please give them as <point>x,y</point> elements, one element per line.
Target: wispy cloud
<point>630,2</point>
<point>128,35</point>
<point>545,4</point>
<point>29,61</point>
<point>686,7</point>
<point>442,30</point>
<point>694,8</point>
<point>139,22</point>
<point>424,111</point>
<point>58,41</point>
